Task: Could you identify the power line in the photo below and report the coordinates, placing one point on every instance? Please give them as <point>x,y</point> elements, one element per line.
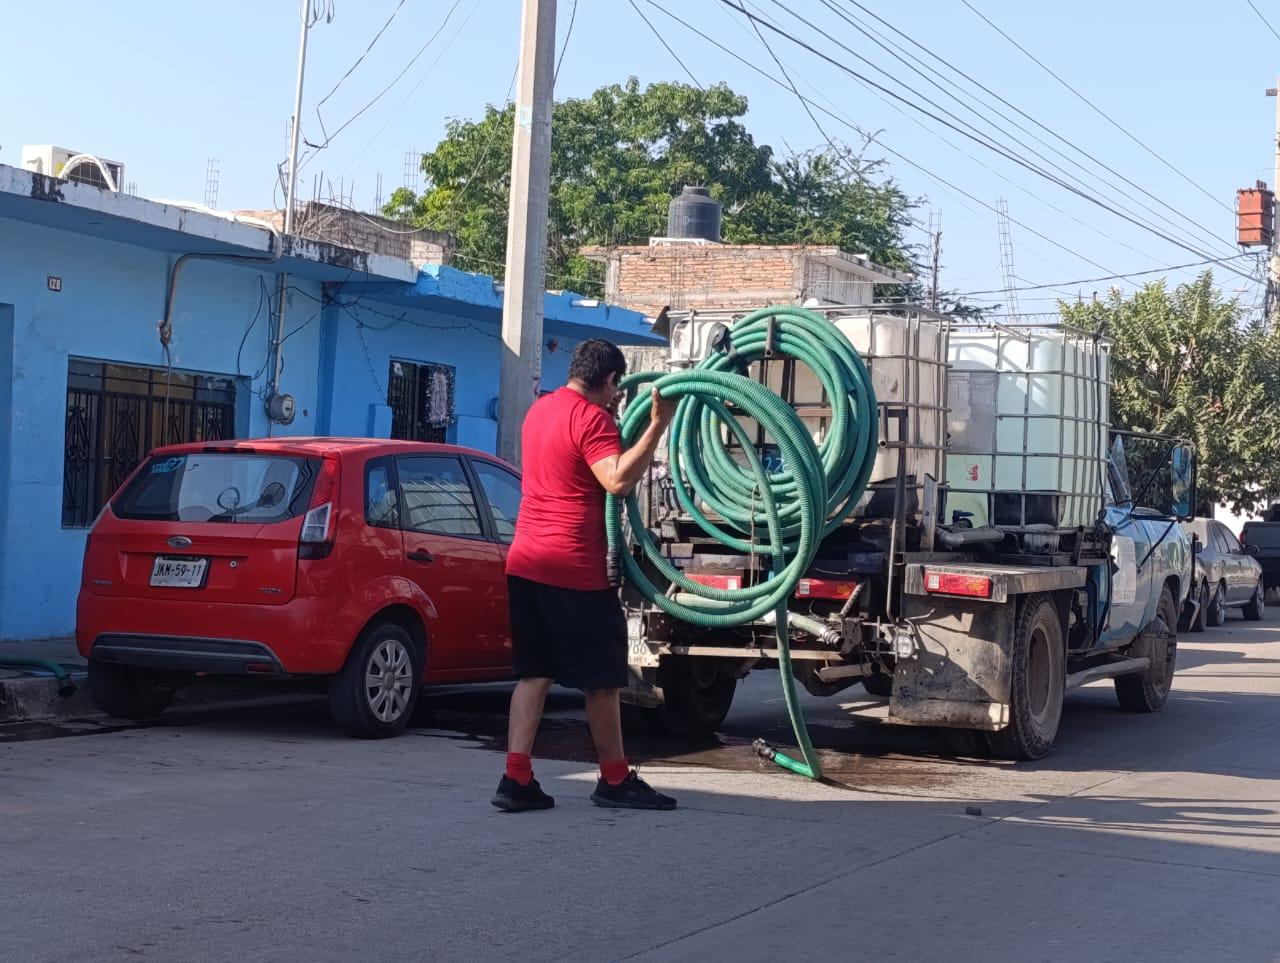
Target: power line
<point>484,155</point>
<point>969,133</point>
<point>938,178</point>
<point>421,80</point>
<point>573,16</point>
<point>897,51</point>
<point>360,59</point>
<point>934,133</point>
<point>328,138</point>
<point>791,83</point>
<point>1112,277</point>
<point>1264,20</point>
<point>987,167</point>
<point>1098,110</point>
<point>1049,130</point>
<point>662,40</point>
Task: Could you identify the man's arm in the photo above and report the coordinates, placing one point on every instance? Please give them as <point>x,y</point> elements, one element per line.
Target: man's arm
<point>618,474</point>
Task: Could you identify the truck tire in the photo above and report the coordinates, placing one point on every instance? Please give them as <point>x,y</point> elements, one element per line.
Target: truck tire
<point>1218,607</point>
<point>127,692</point>
<point>1148,690</point>
<point>696,692</point>
<point>1201,620</point>
<point>375,693</point>
<point>1038,683</point>
<point>1256,607</point>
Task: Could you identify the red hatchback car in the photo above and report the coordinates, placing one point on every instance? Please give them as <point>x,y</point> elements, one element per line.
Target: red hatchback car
<point>378,564</point>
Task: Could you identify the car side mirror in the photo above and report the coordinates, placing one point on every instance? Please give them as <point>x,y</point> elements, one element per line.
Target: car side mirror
<point>1183,462</point>
<point>1251,549</point>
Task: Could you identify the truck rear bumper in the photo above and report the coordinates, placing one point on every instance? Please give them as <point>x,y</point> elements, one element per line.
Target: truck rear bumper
<point>960,674</point>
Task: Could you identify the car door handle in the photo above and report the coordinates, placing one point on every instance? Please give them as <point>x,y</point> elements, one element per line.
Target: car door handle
<point>420,555</point>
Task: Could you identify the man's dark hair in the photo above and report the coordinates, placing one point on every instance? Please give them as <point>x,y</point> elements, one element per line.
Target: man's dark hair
<point>593,361</point>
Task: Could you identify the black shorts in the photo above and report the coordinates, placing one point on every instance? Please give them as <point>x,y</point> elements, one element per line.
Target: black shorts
<point>577,637</point>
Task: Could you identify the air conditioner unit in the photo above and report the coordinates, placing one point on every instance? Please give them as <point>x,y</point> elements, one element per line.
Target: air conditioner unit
<point>50,160</point>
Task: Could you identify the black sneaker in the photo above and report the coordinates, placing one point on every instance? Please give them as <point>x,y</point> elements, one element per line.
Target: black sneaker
<point>632,793</point>
<point>512,797</point>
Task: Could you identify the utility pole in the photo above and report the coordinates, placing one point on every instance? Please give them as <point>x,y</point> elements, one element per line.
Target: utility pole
<point>276,411</point>
<point>525,282</point>
<point>1272,313</point>
<point>296,127</point>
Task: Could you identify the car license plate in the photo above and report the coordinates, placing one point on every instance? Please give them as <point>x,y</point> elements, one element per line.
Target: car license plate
<point>170,572</point>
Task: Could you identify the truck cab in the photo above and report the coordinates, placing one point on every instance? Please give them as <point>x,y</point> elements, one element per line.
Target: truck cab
<point>1150,551</point>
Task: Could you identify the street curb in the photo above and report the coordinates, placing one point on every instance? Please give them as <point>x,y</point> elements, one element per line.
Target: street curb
<point>36,699</point>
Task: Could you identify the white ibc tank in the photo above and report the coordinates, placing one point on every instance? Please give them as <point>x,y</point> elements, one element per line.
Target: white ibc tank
<point>1027,429</point>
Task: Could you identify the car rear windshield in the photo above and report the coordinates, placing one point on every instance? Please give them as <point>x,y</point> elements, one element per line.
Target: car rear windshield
<point>231,487</point>
<point>1262,534</point>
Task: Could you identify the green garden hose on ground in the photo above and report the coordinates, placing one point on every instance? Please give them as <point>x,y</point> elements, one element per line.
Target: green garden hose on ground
<point>796,505</point>
<point>65,686</point>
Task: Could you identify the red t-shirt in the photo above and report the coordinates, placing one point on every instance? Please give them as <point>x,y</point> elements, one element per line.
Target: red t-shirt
<point>560,529</point>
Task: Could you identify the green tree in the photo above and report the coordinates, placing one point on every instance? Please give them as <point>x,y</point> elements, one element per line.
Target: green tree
<point>618,157</point>
<point>1188,363</point>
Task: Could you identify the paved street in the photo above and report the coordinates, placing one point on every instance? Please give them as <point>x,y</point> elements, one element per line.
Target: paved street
<point>261,834</point>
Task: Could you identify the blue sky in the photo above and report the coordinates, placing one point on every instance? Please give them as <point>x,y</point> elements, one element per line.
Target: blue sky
<point>163,86</point>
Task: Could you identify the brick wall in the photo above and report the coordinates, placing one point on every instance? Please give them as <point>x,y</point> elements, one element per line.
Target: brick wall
<point>364,232</point>
<point>696,276</point>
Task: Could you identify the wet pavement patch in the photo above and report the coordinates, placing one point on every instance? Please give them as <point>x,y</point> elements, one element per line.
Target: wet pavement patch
<point>877,762</point>
<point>33,731</point>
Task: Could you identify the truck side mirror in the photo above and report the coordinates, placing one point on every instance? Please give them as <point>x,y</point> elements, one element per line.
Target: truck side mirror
<point>1183,461</point>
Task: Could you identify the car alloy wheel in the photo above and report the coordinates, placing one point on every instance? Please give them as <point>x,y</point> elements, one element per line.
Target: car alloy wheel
<point>389,680</point>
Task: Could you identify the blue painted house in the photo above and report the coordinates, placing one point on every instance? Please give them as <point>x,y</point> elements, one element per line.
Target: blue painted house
<point>374,346</point>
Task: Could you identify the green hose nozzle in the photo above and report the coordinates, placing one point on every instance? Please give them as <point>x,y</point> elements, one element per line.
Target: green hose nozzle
<point>739,501</point>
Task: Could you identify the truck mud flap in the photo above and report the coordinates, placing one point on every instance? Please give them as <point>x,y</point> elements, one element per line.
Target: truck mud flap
<point>960,674</point>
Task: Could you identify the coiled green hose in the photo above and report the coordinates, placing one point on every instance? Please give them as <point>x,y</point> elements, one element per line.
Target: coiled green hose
<point>793,507</point>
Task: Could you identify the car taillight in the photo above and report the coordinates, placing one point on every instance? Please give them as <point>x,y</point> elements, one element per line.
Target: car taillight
<point>316,538</point>
<point>953,583</point>
<point>88,538</point>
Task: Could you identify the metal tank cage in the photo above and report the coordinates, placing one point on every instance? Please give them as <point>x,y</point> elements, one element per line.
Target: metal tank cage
<point>880,498</point>
<point>1088,468</point>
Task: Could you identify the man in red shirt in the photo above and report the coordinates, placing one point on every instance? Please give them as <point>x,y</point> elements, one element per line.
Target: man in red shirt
<point>566,621</point>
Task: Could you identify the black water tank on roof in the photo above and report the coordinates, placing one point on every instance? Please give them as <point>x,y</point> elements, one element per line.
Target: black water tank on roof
<point>694,214</point>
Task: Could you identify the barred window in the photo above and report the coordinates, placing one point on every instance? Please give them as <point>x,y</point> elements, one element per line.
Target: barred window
<point>116,414</point>
<point>420,396</point>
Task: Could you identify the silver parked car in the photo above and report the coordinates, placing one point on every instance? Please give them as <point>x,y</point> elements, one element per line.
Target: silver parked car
<point>1226,577</point>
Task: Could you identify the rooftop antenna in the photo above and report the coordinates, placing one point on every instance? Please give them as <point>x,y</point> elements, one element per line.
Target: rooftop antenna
<point>212,174</point>
<point>1006,261</point>
<point>412,164</point>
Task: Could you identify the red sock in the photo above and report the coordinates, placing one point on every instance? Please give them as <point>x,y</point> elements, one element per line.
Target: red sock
<point>614,772</point>
<point>520,767</point>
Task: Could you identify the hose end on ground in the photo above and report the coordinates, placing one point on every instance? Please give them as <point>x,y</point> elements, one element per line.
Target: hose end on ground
<point>766,751</point>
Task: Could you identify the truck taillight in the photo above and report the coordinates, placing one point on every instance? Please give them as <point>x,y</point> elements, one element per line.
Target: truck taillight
<point>730,582</point>
<point>824,588</point>
<point>316,538</point>
<point>953,583</point>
